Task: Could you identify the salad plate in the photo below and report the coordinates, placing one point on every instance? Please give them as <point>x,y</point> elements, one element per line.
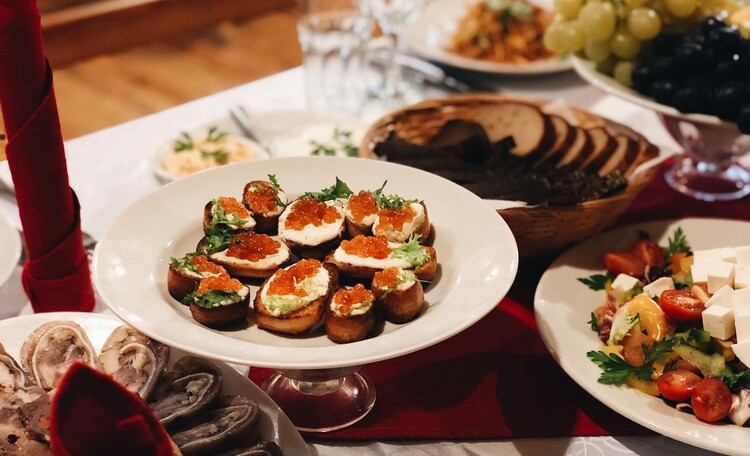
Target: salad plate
<point>563,308</point>
<point>431,32</point>
<point>10,249</point>
<point>477,256</point>
<point>273,425</point>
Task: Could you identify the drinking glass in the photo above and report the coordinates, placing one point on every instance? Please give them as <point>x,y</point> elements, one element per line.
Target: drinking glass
<point>333,35</point>
<point>392,17</point>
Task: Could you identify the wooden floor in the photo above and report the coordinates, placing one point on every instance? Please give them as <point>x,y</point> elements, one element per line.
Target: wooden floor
<point>108,90</point>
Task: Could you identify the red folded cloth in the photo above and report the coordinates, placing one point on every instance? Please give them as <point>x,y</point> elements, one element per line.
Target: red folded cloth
<point>56,276</point>
<point>496,380</point>
<point>93,415</point>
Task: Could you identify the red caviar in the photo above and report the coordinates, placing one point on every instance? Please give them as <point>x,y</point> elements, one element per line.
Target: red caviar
<point>310,212</point>
<point>285,281</point>
<point>367,247</point>
<point>345,299</point>
<point>222,283</point>
<point>387,278</point>
<point>362,204</point>
<point>261,199</point>
<point>204,266</point>
<point>396,218</point>
<point>232,206</point>
<point>253,246</point>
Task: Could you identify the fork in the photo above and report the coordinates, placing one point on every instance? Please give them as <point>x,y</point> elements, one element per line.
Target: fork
<point>89,242</point>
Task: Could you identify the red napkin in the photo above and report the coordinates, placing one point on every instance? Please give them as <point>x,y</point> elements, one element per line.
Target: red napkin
<point>93,415</point>
<point>496,380</point>
<point>56,276</point>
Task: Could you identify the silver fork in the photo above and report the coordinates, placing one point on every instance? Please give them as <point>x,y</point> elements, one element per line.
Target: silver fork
<point>89,242</point>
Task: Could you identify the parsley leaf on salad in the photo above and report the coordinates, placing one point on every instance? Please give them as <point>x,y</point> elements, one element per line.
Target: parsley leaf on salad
<point>414,254</point>
<point>597,281</point>
<point>336,191</point>
<point>615,371</point>
<point>677,244</point>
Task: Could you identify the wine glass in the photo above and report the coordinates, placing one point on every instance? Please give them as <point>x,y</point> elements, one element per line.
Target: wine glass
<point>392,17</point>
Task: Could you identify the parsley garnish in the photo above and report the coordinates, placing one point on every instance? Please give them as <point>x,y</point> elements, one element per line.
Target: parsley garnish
<point>184,262</point>
<point>276,187</point>
<point>414,254</point>
<point>217,238</point>
<point>211,298</point>
<point>594,323</point>
<point>214,135</point>
<point>336,191</point>
<point>615,371</point>
<point>184,143</point>
<point>220,217</point>
<point>343,138</point>
<point>597,281</point>
<point>677,244</point>
<point>510,11</point>
<point>220,155</point>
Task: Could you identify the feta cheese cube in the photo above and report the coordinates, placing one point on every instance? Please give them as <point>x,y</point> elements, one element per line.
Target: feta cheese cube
<point>705,256</point>
<point>743,255</point>
<point>724,298</point>
<point>655,288</point>
<point>718,275</point>
<point>742,277</point>
<point>623,283</point>
<point>719,321</point>
<point>742,351</point>
<point>699,271</point>
<point>742,298</point>
<point>742,315</point>
<point>727,254</point>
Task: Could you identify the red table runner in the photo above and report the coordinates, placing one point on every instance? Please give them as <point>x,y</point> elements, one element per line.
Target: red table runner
<point>496,380</point>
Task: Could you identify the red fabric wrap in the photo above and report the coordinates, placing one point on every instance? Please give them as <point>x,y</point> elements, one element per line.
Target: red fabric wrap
<point>496,380</point>
<point>94,415</point>
<point>56,277</point>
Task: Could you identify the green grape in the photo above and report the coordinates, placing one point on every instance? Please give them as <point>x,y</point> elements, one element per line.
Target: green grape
<point>573,36</point>
<point>623,72</point>
<point>681,8</point>
<point>624,45</point>
<point>597,51</point>
<point>599,20</point>
<point>607,66</point>
<point>568,9</point>
<point>644,24</point>
<point>635,3</point>
<point>554,38</point>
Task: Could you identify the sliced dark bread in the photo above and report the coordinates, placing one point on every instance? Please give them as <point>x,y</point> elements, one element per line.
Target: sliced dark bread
<point>604,143</point>
<point>623,156</point>
<point>646,152</point>
<point>532,130</point>
<point>578,151</point>
<point>564,136</point>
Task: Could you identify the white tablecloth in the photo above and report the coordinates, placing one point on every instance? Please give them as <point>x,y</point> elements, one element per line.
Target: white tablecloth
<point>110,170</point>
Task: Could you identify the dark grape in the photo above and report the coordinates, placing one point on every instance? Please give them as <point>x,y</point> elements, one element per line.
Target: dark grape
<point>642,78</point>
<point>665,44</point>
<point>689,99</point>
<point>662,91</point>
<point>663,67</point>
<point>725,41</point>
<point>743,119</point>
<point>692,58</point>
<point>728,71</point>
<point>711,23</point>
<point>728,100</point>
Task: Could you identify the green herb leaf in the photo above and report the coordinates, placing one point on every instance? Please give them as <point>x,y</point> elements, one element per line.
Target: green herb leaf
<point>212,298</point>
<point>414,253</point>
<point>214,135</point>
<point>217,238</point>
<point>184,143</point>
<point>594,323</point>
<point>337,190</point>
<point>184,262</point>
<point>276,188</point>
<point>677,244</point>
<point>597,281</point>
<point>615,371</point>
<point>221,156</point>
<point>220,217</point>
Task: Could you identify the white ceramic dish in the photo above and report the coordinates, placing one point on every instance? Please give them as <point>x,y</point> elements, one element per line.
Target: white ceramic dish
<point>224,125</point>
<point>273,425</point>
<point>476,251</point>
<point>10,249</point>
<point>563,307</point>
<point>431,32</point>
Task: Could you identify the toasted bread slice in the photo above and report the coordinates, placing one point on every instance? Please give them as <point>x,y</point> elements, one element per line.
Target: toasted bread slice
<point>532,130</point>
<point>300,320</point>
<point>646,152</point>
<point>220,316</point>
<point>564,136</point>
<point>419,226</point>
<point>578,151</point>
<point>398,302</point>
<point>181,282</point>
<point>260,268</point>
<point>262,200</point>
<point>312,241</point>
<point>623,156</point>
<point>361,213</point>
<point>603,146</point>
<point>365,268</point>
<point>345,327</point>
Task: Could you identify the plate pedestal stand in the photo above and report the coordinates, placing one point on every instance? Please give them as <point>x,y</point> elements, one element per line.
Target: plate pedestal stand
<point>322,400</point>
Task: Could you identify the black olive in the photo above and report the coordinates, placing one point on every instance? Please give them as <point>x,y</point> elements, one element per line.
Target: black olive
<point>662,91</point>
<point>711,23</point>
<point>725,41</point>
<point>743,119</point>
<point>665,44</point>
<point>728,100</point>
<point>689,99</point>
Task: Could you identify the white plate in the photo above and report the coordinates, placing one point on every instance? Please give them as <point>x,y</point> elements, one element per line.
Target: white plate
<point>476,251</point>
<point>10,249</point>
<point>225,125</point>
<point>587,70</point>
<point>431,32</point>
<point>563,307</point>
<point>273,426</point>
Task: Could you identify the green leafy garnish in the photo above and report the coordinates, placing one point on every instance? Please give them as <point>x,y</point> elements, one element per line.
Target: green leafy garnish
<point>340,136</point>
<point>217,238</point>
<point>677,244</point>
<point>594,323</point>
<point>404,276</point>
<point>615,371</point>
<point>276,187</point>
<point>220,217</point>
<point>221,156</point>
<point>214,135</point>
<point>336,191</point>
<point>185,142</point>
<point>510,11</point>
<point>412,252</point>
<point>211,298</point>
<point>632,293</point>
<point>597,281</point>
<point>184,262</point>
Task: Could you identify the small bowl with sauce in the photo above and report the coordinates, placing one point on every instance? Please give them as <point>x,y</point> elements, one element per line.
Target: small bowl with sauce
<point>203,148</point>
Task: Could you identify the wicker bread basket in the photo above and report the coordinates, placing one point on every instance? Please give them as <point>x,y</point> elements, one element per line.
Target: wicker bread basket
<point>540,231</point>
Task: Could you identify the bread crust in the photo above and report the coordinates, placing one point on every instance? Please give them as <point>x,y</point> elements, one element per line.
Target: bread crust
<point>180,284</point>
<point>317,252</point>
<point>265,222</point>
<point>354,229</point>
<point>400,306</point>
<point>424,272</point>
<point>423,230</point>
<point>302,319</point>
<point>243,268</point>
<point>344,330</point>
<point>219,316</point>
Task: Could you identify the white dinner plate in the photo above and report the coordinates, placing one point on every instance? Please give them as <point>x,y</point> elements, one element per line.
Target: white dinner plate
<point>273,425</point>
<point>563,307</point>
<point>10,248</point>
<point>431,32</point>
<point>476,251</point>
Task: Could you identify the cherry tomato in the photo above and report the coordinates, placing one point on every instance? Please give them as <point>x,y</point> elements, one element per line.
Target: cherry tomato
<point>711,400</point>
<point>681,305</point>
<point>624,262</point>
<point>649,252</point>
<point>677,385</point>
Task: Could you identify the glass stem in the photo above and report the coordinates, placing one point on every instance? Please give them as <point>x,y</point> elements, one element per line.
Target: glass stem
<point>392,71</point>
